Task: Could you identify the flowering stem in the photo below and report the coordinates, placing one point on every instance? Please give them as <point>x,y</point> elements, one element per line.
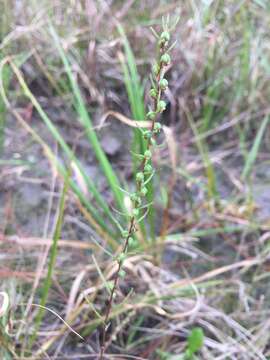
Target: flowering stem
<point>145,170</point>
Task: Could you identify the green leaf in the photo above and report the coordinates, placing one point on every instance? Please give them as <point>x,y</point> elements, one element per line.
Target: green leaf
<point>195,340</point>
<point>86,121</point>
<point>255,148</point>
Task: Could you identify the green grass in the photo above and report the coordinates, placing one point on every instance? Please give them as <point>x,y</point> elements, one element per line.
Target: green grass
<point>204,153</point>
<point>52,262</point>
<point>253,152</point>
<point>135,92</point>
<point>72,158</point>
<point>88,126</point>
<point>5,21</point>
<point>3,110</point>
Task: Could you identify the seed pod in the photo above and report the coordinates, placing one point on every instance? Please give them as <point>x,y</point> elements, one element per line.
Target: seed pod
<point>110,285</point>
<point>161,106</point>
<point>164,38</point>
<point>148,168</point>
<point>135,212</point>
<point>165,59</point>
<point>131,241</point>
<point>122,273</point>
<point>139,177</point>
<point>163,84</point>
<point>151,115</point>
<point>153,93</point>
<point>165,35</point>
<point>143,191</point>
<point>147,135</point>
<point>157,127</point>
<point>133,197</point>
<point>147,154</point>
<point>124,233</point>
<point>121,258</point>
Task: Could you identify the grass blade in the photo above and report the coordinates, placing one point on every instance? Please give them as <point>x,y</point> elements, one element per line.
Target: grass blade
<point>91,186</point>
<point>135,95</point>
<point>92,211</point>
<point>252,155</point>
<point>87,123</point>
<point>52,260</point>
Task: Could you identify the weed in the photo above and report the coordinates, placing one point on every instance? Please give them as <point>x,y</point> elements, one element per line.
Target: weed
<point>146,171</point>
<point>194,344</point>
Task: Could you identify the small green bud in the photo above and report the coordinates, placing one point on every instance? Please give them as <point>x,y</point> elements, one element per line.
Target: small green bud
<point>165,35</point>
<point>122,273</point>
<point>121,258</point>
<point>147,154</point>
<point>165,59</point>
<point>133,197</point>
<point>135,212</point>
<point>110,285</point>
<point>155,69</point>
<point>139,177</point>
<point>153,93</point>
<point>151,115</point>
<point>163,84</point>
<point>143,191</point>
<point>124,233</point>
<point>147,134</point>
<point>131,241</point>
<point>148,168</point>
<point>157,127</point>
<point>161,106</point>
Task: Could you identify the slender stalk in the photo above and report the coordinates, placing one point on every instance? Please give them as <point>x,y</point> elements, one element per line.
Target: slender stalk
<point>145,169</point>
<point>52,260</point>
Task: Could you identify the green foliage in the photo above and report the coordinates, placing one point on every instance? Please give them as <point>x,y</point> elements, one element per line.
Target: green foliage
<point>135,92</point>
<point>5,82</point>
<point>88,126</point>
<point>195,342</point>
<point>52,260</point>
<point>252,155</point>
<point>96,212</point>
<point>143,176</point>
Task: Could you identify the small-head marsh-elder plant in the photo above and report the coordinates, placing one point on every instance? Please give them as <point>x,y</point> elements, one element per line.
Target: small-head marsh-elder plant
<point>146,171</point>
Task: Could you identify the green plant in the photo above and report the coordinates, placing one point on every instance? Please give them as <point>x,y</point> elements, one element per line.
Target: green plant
<point>52,260</point>
<point>135,92</point>
<point>5,20</point>
<point>145,170</point>
<point>194,344</point>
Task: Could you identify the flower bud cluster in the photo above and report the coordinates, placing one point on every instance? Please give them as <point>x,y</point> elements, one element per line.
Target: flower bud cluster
<point>160,84</point>
<point>145,172</point>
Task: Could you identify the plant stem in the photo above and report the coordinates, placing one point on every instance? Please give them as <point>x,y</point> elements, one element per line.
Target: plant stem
<point>159,107</point>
